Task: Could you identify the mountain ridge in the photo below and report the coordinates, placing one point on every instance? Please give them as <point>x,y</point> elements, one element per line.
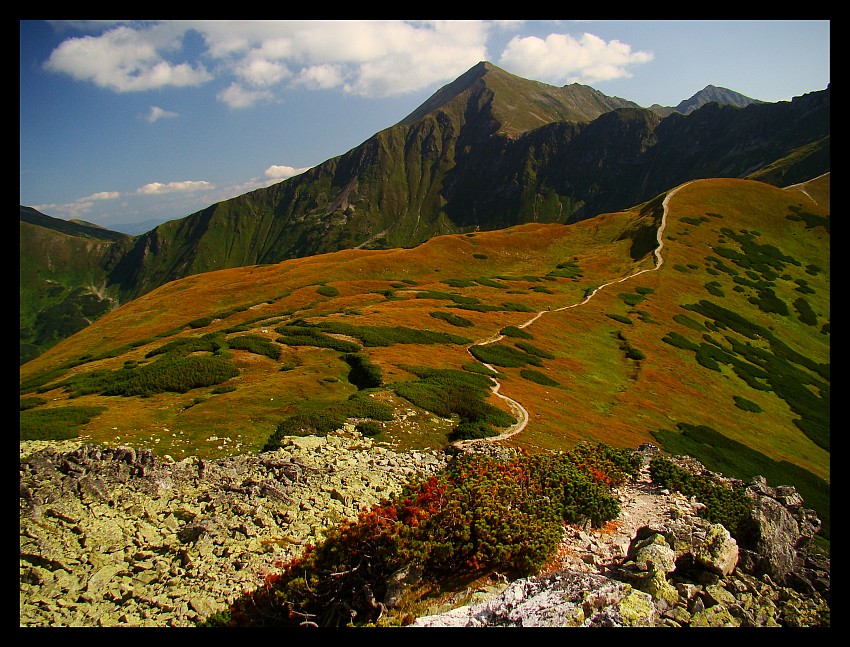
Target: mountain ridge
<point>709,94</point>
<point>462,163</point>
<point>548,103</point>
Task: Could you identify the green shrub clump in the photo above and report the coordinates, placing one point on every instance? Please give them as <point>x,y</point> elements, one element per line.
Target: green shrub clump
<point>723,505</point>
<point>363,374</point>
<point>534,350</point>
<point>389,335</point>
<point>477,516</point>
<point>630,298</point>
<point>516,331</point>
<point>296,334</point>
<point>58,423</point>
<point>537,376</point>
<point>202,322</point>
<point>327,291</point>
<point>746,405</point>
<point>171,373</point>
<point>453,319</point>
<point>503,355</point>
<point>362,405</point>
<point>31,403</point>
<point>304,424</point>
<point>255,344</point>
<point>369,428</point>
<point>621,319</point>
<point>449,393</point>
<point>211,343</point>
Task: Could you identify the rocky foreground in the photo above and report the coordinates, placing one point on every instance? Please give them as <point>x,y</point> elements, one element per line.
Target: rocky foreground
<point>118,537</point>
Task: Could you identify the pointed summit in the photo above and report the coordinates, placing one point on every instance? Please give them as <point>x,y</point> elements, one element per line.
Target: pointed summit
<point>714,94</point>
<point>516,105</point>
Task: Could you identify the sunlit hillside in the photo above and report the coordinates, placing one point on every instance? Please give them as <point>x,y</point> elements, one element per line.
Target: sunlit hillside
<point>725,342</point>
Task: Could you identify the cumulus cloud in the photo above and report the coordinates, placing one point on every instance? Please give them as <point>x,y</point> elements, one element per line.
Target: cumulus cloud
<point>101,195</point>
<point>156,113</point>
<point>261,72</point>
<point>257,61</point>
<point>126,59</point>
<point>320,77</point>
<point>283,172</point>
<point>68,211</point>
<point>562,58</point>
<point>369,58</point>
<point>155,188</point>
<point>238,96</point>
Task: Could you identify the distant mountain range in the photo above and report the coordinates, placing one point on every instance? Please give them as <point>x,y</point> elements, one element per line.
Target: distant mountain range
<point>488,151</point>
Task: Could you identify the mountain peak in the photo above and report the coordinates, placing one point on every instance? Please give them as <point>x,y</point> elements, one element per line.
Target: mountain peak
<point>516,104</point>
<point>714,94</point>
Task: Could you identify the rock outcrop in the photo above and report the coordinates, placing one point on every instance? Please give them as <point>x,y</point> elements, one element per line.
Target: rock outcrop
<point>662,565</point>
<point>118,537</point>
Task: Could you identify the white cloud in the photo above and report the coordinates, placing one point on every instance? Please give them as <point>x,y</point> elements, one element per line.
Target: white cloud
<point>78,208</point>
<point>157,113</point>
<point>261,72</point>
<point>257,61</point>
<point>370,58</point>
<point>419,55</point>
<point>561,58</point>
<point>320,77</point>
<point>126,60</point>
<point>174,187</point>
<point>283,172</point>
<point>101,195</point>
<point>67,211</point>
<point>238,96</point>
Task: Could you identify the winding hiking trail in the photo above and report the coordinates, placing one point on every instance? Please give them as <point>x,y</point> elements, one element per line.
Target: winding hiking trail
<point>519,410</point>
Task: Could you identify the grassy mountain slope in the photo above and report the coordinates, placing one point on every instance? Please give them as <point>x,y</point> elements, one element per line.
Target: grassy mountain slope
<point>63,280</point>
<point>466,160</point>
<point>723,351</point>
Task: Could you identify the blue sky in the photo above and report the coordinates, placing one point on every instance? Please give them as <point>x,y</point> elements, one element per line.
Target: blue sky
<point>126,122</point>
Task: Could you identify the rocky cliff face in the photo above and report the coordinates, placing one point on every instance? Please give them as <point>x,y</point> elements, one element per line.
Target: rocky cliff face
<point>117,537</point>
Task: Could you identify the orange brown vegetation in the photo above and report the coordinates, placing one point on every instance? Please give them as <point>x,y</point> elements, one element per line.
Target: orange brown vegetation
<point>603,395</point>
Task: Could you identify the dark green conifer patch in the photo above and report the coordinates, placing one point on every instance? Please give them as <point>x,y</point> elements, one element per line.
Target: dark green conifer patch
<point>59,423</point>
<point>453,319</point>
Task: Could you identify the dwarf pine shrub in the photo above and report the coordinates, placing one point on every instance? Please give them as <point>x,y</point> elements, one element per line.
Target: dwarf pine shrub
<point>723,505</point>
<point>477,516</point>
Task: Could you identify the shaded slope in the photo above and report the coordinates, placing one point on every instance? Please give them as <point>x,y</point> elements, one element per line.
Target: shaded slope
<point>63,278</point>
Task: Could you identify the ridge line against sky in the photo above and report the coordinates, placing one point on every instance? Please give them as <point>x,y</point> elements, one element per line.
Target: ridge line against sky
<point>126,124</point>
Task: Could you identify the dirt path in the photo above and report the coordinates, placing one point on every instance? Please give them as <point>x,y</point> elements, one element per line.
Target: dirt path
<point>516,407</point>
<point>801,187</point>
